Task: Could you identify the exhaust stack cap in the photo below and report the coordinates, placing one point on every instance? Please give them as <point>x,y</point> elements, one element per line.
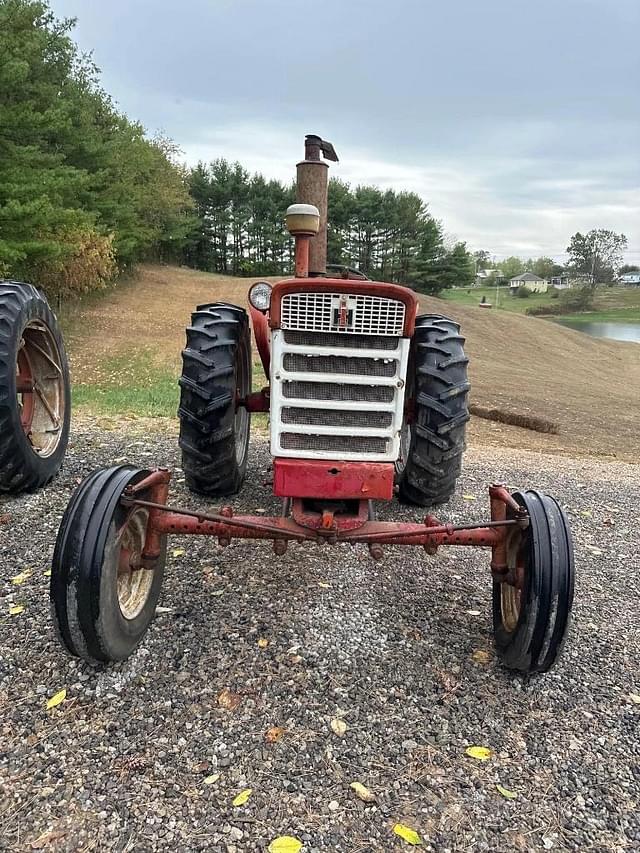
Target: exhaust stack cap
<point>303,220</point>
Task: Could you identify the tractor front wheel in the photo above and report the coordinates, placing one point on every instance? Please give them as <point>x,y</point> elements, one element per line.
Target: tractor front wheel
<point>531,609</point>
<point>103,598</point>
<point>216,375</point>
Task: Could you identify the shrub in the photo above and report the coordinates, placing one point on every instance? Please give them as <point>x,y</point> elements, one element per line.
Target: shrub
<point>85,263</point>
<point>577,299</point>
<point>553,292</point>
<point>523,292</point>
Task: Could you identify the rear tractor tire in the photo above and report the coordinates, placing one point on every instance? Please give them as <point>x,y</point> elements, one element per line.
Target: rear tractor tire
<point>433,445</point>
<point>531,617</point>
<point>102,600</point>
<point>216,373</point>
<point>35,405</point>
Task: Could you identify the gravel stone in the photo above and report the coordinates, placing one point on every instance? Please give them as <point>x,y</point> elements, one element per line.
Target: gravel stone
<point>388,647</point>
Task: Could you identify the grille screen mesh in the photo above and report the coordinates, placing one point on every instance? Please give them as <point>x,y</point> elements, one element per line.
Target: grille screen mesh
<point>329,312</point>
<point>296,362</point>
<point>333,443</point>
<point>336,392</point>
<point>342,339</point>
<point>324,417</point>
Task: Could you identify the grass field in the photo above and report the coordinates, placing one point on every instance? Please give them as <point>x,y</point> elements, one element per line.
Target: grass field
<point>125,348</point>
<point>611,303</point>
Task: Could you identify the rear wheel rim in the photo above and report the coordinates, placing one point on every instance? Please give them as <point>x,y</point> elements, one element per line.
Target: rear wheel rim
<point>133,582</point>
<point>40,388</point>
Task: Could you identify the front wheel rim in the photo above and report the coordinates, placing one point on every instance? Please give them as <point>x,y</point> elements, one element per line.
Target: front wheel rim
<point>133,582</point>
<point>510,594</point>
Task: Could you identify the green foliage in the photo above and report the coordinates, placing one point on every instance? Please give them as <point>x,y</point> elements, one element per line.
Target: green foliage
<point>597,253</point>
<point>76,176</point>
<point>523,292</point>
<point>576,299</point>
<point>511,267</point>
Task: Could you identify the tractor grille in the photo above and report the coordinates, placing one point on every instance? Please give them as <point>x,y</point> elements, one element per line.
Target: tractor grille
<point>338,367</point>
<point>361,314</point>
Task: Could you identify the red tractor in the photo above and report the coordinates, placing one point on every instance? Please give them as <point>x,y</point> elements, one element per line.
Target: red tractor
<point>367,400</point>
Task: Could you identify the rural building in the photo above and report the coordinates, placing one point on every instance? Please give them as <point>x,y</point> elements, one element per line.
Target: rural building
<point>560,282</point>
<point>630,278</point>
<point>482,276</point>
<point>529,280</point>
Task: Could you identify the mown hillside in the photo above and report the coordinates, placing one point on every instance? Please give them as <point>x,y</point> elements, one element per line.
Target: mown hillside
<point>125,354</point>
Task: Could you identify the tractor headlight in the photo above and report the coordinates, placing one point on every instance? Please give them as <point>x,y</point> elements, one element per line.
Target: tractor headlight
<point>260,295</point>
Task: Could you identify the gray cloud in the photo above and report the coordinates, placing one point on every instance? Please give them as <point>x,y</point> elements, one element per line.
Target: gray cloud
<point>518,122</point>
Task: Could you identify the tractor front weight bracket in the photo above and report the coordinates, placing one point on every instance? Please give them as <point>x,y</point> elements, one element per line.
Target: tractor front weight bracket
<point>326,524</point>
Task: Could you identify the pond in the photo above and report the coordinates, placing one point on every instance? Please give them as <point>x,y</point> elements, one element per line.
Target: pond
<point>613,330</point>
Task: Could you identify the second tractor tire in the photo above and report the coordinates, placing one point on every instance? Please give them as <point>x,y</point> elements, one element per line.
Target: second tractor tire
<point>34,424</point>
<point>439,385</point>
<point>214,430</point>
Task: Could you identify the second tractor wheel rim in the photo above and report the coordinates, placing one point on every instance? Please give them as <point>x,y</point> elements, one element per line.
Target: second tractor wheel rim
<point>133,583</point>
<point>40,388</point>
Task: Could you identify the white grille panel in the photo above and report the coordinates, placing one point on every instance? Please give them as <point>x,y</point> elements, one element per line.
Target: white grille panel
<point>356,390</point>
<point>360,314</point>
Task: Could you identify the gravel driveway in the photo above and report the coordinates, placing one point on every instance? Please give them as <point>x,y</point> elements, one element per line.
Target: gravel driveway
<point>400,651</point>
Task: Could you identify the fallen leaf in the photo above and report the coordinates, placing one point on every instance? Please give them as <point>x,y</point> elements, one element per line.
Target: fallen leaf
<point>324,585</point>
<point>5,518</point>
<point>210,780</point>
<point>586,513</point>
<point>473,612</point>
<point>47,838</point>
<point>263,643</point>
<point>363,792</point>
<point>47,573</point>
<point>407,834</point>
<point>178,552</point>
<point>338,726</point>
<point>15,609</point>
<point>242,797</point>
<point>229,700</point>
<point>21,577</point>
<point>481,656</point>
<point>274,734</point>
<point>164,609</point>
<point>468,497</point>
<point>510,795</point>
<point>481,753</point>
<point>285,844</point>
<point>57,698</point>
<point>634,698</point>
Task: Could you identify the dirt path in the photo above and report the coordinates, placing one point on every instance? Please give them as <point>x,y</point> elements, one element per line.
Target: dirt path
<point>589,387</point>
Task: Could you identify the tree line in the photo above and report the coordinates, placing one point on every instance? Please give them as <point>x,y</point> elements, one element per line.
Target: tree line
<point>384,233</point>
<point>83,191</point>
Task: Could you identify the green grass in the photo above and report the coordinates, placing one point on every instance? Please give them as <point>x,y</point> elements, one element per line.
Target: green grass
<point>132,384</point>
<point>611,303</point>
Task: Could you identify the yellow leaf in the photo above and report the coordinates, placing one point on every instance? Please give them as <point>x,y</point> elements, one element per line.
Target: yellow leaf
<point>263,643</point>
<point>21,577</point>
<point>285,844</point>
<point>242,797</point>
<point>229,700</point>
<point>57,698</point>
<point>510,795</point>
<point>274,734</point>
<point>47,573</point>
<point>178,552</point>
<point>362,792</point>
<point>482,753</point>
<point>409,835</point>
<point>634,698</point>
<point>15,609</point>
<point>338,726</point>
<point>481,656</point>
<point>468,497</point>
<point>210,780</point>
<point>324,585</point>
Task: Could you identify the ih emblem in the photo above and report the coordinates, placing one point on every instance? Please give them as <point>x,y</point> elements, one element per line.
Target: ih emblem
<point>342,313</point>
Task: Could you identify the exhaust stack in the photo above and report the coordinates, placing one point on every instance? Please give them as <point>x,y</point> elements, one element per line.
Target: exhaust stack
<point>312,188</point>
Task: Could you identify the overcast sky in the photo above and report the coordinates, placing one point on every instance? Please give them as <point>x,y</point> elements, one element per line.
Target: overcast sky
<point>518,121</point>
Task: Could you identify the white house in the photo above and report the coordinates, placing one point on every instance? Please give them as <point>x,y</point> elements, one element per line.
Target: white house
<point>483,275</point>
<point>529,280</point>
<point>560,282</point>
<point>630,278</point>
